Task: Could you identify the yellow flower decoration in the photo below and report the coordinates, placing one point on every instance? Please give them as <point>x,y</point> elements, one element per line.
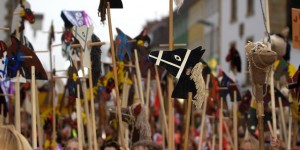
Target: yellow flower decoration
<point>74,77</point>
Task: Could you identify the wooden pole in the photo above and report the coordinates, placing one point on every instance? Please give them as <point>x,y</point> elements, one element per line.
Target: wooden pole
<point>124,104</point>
<point>17,103</point>
<point>139,77</point>
<point>125,92</point>
<point>260,115</point>
<point>228,133</point>
<point>86,105</point>
<point>136,88</point>
<point>271,129</point>
<point>187,121</point>
<point>161,101</point>
<point>148,91</point>
<point>95,141</point>
<point>33,109</point>
<point>163,133</point>
<point>221,126</point>
<point>115,75</point>
<point>2,116</point>
<point>290,131</point>
<point>283,120</point>
<point>39,125</point>
<point>170,113</point>
<point>80,134</point>
<point>4,28</point>
<point>80,126</point>
<point>280,128</point>
<point>52,97</point>
<point>213,142</point>
<point>274,122</point>
<point>271,74</point>
<point>170,81</point>
<point>235,124</point>
<point>204,112</point>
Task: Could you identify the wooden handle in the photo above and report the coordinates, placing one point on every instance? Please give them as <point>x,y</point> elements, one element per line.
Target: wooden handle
<point>33,108</point>
<point>187,121</point>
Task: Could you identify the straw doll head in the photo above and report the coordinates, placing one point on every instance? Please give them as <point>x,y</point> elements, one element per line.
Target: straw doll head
<point>260,59</point>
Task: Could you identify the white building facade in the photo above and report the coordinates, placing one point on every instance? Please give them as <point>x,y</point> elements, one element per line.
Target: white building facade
<point>241,21</point>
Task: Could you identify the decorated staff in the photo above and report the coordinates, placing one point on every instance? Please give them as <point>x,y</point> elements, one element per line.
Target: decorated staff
<point>21,13</point>
<point>260,60</point>
<point>119,116</point>
<point>184,64</point>
<point>79,29</point>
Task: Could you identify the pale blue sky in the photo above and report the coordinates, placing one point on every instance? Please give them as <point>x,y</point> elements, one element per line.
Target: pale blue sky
<point>130,19</point>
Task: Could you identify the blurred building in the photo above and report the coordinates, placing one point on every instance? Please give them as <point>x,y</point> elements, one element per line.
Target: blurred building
<point>6,11</point>
<point>218,25</point>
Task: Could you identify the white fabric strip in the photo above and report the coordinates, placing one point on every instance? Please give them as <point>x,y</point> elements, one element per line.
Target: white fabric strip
<point>187,54</point>
<point>159,58</point>
<point>165,61</point>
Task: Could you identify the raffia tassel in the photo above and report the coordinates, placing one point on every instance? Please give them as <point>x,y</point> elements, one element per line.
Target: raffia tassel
<point>142,124</point>
<point>196,76</point>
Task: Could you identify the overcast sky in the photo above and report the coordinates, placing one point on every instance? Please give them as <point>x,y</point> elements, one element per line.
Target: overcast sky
<point>130,19</point>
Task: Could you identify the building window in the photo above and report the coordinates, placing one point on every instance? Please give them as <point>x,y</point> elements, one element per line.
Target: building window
<point>241,30</point>
<point>233,11</point>
<point>250,8</point>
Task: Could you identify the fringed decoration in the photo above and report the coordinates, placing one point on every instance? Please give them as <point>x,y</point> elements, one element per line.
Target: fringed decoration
<point>102,10</point>
<point>96,60</point>
<point>196,76</point>
<point>142,124</point>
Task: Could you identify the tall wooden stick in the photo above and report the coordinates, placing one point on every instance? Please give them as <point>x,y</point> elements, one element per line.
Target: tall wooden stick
<point>228,134</point>
<point>139,77</point>
<point>2,116</point>
<point>52,97</point>
<point>290,131</point>
<point>125,92</point>
<point>136,88</point>
<point>39,125</point>
<point>148,91</point>
<point>221,126</point>
<point>260,115</point>
<point>204,112</point>
<point>235,125</point>
<point>80,126</point>
<point>33,109</point>
<point>112,46</point>
<point>95,141</point>
<point>124,104</point>
<point>271,74</point>
<point>282,120</point>
<point>170,81</point>
<point>80,134</point>
<point>163,134</point>
<point>271,130</point>
<point>17,103</point>
<point>187,121</point>
<point>213,142</point>
<point>86,105</point>
<point>274,122</point>
<point>161,101</point>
